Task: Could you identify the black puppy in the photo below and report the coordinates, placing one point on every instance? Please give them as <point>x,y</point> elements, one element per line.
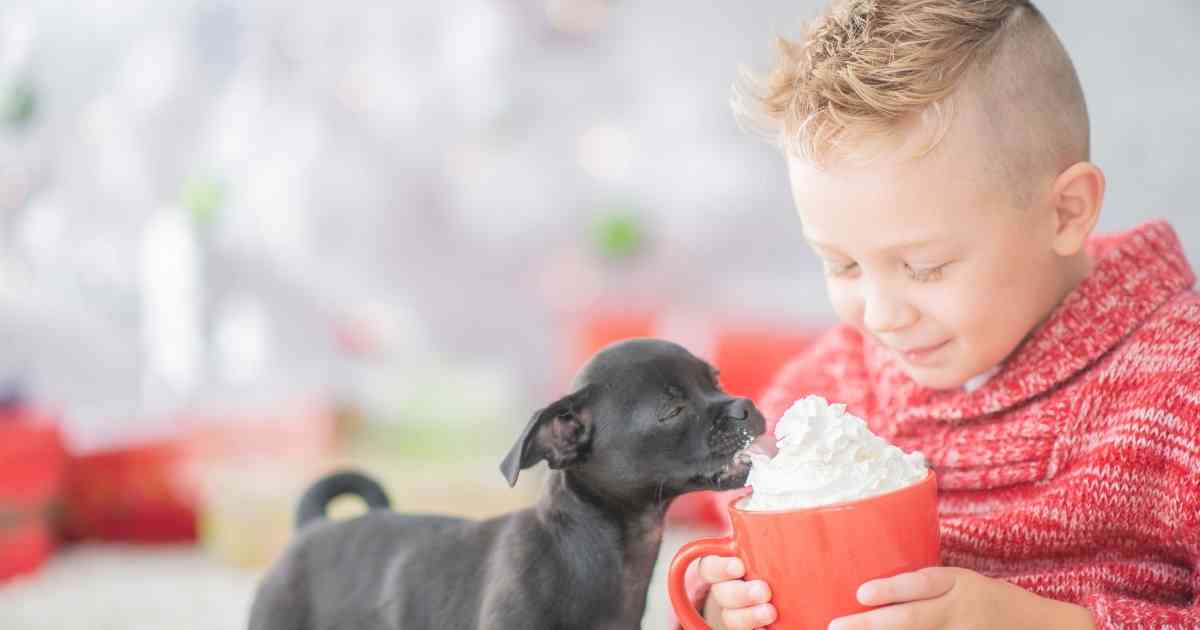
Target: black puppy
<point>646,421</point>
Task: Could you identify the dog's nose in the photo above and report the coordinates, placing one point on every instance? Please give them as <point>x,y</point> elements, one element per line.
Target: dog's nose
<point>739,409</point>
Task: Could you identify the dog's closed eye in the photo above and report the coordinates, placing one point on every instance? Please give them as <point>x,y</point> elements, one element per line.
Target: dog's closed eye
<point>673,412</point>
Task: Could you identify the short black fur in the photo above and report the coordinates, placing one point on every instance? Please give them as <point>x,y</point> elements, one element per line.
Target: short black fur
<point>645,422</point>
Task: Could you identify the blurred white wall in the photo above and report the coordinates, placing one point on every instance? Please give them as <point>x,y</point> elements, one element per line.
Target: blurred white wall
<point>439,165</point>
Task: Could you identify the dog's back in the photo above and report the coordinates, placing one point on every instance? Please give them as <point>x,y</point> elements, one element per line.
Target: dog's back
<point>352,573</point>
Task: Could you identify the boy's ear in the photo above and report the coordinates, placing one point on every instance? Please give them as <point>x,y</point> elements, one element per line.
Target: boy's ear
<point>561,434</point>
<point>1077,196</point>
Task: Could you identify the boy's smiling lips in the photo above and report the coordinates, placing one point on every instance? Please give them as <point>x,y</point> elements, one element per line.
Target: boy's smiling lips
<point>920,354</point>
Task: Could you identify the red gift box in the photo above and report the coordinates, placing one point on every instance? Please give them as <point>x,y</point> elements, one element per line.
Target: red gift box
<point>32,464</point>
<point>150,492</point>
<point>132,494</point>
<point>748,354</point>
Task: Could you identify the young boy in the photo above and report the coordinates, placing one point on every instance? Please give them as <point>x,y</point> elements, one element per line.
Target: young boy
<point>938,153</point>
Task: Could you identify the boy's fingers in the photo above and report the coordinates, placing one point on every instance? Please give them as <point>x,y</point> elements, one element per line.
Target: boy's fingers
<point>748,618</point>
<point>922,614</point>
<point>907,587</point>
<point>715,569</point>
<point>738,594</point>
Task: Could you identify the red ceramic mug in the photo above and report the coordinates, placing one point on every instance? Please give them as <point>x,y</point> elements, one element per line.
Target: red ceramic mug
<point>814,559</point>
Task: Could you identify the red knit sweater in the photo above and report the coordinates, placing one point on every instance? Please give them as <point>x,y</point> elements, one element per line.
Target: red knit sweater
<point>1074,472</point>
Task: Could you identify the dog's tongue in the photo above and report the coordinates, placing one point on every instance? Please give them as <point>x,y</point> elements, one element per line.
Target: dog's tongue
<point>761,450</point>
<point>765,445</point>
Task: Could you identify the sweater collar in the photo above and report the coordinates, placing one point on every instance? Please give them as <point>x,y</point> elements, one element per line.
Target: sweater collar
<point>1135,272</point>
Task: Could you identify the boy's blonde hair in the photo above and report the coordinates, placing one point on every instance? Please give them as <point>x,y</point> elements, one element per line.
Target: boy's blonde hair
<point>864,67</point>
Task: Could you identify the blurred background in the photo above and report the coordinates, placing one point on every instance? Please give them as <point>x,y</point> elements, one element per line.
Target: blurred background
<point>242,243</point>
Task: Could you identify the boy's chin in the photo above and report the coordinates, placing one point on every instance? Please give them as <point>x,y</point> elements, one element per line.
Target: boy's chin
<point>936,378</point>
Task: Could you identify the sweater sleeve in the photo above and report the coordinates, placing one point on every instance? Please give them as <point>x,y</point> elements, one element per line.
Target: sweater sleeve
<point>1169,418</point>
<point>1113,611</point>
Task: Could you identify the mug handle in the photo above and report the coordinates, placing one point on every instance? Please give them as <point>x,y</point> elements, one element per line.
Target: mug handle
<point>684,610</point>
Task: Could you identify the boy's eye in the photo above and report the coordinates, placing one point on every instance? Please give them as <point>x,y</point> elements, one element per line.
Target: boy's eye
<point>925,274</point>
<point>838,269</point>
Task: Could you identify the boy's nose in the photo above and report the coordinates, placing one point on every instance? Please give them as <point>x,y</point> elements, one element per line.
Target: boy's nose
<point>883,313</point>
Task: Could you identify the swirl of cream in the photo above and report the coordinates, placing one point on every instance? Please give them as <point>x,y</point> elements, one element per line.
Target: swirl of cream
<point>826,456</point>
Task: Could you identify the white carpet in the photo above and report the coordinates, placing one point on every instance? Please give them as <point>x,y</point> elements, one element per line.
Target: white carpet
<point>112,587</point>
<point>117,587</point>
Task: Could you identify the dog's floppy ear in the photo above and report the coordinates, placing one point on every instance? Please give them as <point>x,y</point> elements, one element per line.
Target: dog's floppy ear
<point>560,434</point>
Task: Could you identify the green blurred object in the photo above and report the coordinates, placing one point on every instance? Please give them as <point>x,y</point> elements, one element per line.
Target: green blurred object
<point>435,411</point>
<point>618,235</point>
<point>19,104</point>
<point>423,442</point>
<point>204,197</point>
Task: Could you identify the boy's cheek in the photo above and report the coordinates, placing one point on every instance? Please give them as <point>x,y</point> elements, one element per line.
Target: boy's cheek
<point>845,306</point>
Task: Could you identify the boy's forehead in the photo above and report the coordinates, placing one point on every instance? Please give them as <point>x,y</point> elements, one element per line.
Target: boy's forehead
<point>897,199</point>
<point>929,237</point>
<point>898,204</point>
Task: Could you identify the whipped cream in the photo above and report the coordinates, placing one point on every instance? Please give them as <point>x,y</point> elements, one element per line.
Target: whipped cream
<point>826,456</point>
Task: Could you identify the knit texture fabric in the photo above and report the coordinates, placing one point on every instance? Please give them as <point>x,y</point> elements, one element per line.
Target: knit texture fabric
<point>1074,471</point>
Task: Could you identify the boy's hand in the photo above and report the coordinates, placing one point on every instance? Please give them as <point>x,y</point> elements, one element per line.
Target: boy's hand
<point>742,605</point>
<point>944,597</point>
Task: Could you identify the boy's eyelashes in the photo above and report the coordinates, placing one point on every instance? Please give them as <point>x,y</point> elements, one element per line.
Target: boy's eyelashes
<point>838,269</point>
<point>925,274</point>
<point>919,274</point>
